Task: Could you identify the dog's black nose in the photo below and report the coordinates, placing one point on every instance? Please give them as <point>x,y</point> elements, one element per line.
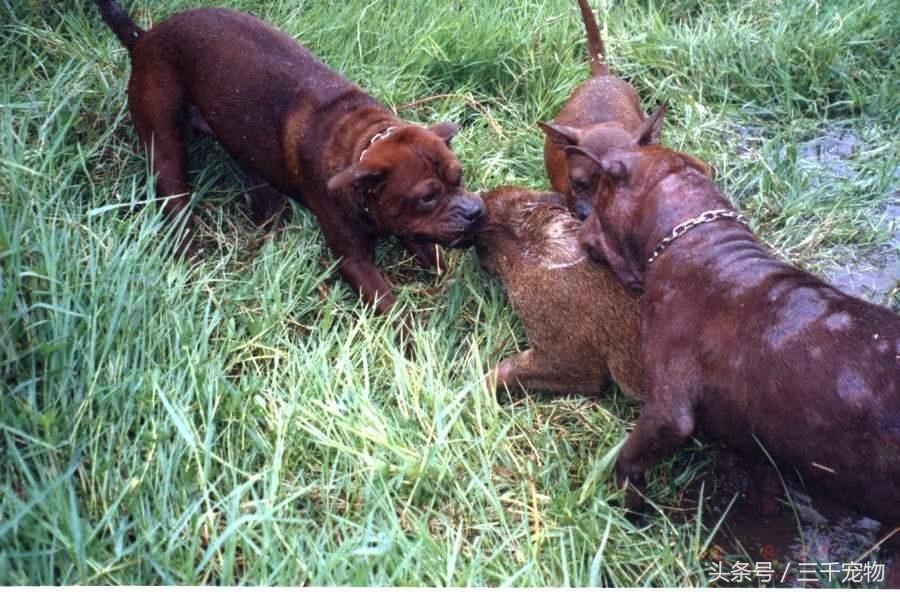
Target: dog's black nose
<point>473,210</point>
<point>582,209</point>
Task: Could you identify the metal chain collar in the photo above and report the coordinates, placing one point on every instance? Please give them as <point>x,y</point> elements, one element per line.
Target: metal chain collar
<point>376,138</point>
<point>367,214</point>
<point>707,216</point>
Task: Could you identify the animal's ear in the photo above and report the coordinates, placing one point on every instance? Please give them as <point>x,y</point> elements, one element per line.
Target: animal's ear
<point>561,135</point>
<point>613,165</point>
<point>445,130</point>
<point>354,175</point>
<point>650,130</point>
<point>616,169</point>
<point>550,197</point>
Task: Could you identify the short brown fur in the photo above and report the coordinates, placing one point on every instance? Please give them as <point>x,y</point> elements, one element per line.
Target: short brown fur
<point>581,324</point>
<point>299,127</point>
<point>758,353</point>
<point>600,102</point>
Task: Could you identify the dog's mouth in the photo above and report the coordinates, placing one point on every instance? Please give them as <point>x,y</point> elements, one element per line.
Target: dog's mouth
<point>462,242</point>
<point>455,237</point>
<point>582,209</point>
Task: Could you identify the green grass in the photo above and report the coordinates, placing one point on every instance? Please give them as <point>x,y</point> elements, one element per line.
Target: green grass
<point>249,421</point>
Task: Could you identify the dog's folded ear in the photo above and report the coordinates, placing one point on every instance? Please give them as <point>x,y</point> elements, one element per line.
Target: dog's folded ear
<point>445,130</point>
<point>650,130</point>
<point>561,135</point>
<point>359,173</point>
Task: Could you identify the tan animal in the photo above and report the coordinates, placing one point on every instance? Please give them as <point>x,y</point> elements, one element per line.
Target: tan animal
<point>581,323</point>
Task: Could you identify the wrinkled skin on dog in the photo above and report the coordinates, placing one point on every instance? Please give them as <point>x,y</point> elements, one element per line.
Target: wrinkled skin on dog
<point>299,129</point>
<point>598,104</point>
<point>758,353</point>
<point>582,325</point>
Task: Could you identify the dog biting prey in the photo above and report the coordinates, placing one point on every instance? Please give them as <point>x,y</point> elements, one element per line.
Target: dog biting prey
<point>299,129</point>
<point>582,326</point>
<point>759,354</point>
<point>599,103</point>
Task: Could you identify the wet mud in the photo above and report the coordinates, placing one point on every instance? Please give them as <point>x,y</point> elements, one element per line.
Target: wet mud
<point>779,523</point>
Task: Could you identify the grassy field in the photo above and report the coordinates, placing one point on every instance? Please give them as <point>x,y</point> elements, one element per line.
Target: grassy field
<point>249,421</point>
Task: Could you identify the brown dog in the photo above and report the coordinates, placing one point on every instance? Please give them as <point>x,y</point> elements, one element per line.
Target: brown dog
<point>581,324</point>
<point>601,102</point>
<point>759,353</point>
<point>300,127</point>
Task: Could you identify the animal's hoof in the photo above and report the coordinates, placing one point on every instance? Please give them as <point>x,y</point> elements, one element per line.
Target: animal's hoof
<point>268,217</point>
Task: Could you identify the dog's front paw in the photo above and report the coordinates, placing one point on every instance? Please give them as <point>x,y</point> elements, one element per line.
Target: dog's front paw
<point>634,483</point>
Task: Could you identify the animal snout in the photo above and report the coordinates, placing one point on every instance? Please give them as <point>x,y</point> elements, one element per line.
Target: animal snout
<point>472,210</point>
<point>582,209</point>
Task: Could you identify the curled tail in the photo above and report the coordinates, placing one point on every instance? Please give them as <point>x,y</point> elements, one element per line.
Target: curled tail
<point>597,51</point>
<point>121,24</point>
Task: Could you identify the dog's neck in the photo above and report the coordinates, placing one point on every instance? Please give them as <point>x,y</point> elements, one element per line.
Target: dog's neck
<point>360,134</point>
<point>705,249</point>
<point>351,136</point>
<point>673,199</point>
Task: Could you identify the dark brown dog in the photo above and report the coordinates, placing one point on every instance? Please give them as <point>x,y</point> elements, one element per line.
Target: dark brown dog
<point>759,353</point>
<point>581,324</point>
<point>601,102</point>
<point>302,128</point>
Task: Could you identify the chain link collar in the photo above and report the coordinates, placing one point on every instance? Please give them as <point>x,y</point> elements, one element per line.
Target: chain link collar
<point>707,216</point>
<point>377,137</point>
<point>364,204</point>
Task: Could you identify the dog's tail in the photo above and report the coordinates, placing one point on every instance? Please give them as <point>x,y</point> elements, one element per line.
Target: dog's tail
<point>597,51</point>
<point>121,24</point>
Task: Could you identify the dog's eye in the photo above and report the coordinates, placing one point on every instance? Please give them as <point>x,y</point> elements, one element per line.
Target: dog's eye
<point>579,184</point>
<point>429,200</point>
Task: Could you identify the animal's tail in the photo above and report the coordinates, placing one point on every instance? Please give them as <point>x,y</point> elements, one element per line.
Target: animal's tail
<point>121,24</point>
<point>597,51</point>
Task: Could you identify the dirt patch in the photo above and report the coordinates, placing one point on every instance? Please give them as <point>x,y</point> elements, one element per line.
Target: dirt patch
<point>801,530</point>
<point>870,273</point>
<point>833,149</point>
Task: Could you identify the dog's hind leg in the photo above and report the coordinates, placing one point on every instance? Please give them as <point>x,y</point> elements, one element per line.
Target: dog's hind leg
<point>158,105</point>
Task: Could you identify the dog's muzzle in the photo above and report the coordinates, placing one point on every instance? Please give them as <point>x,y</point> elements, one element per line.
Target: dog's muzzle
<point>582,209</point>
<point>468,215</point>
<point>471,211</point>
